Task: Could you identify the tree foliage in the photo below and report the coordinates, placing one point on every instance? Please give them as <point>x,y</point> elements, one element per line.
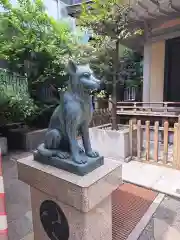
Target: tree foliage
<point>111,23</point>
<point>35,44</point>
<point>108,18</point>
<point>38,47</point>
<point>16,106</point>
<point>132,72</point>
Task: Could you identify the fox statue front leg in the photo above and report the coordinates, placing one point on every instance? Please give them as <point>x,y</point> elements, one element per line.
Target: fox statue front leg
<point>74,146</point>
<point>86,142</point>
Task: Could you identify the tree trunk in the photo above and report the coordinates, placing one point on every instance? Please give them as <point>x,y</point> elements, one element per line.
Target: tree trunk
<point>114,88</point>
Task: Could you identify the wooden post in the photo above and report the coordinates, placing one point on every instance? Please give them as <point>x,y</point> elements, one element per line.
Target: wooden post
<point>178,150</point>
<point>147,140</point>
<point>134,137</point>
<point>110,103</point>
<point>139,139</point>
<point>175,145</point>
<point>131,137</point>
<point>162,132</point>
<point>156,140</point>
<point>165,153</point>
<point>178,118</point>
<point>165,107</point>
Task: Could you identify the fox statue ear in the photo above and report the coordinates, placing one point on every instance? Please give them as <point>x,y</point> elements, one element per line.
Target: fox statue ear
<point>71,67</point>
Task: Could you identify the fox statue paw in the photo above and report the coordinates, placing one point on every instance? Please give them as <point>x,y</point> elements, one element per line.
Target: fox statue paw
<point>79,160</point>
<point>92,154</point>
<point>63,155</point>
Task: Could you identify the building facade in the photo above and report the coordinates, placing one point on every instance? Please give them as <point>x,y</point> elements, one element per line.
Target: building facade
<point>160,44</point>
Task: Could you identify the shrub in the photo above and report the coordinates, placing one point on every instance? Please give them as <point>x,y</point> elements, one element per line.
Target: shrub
<point>15,106</point>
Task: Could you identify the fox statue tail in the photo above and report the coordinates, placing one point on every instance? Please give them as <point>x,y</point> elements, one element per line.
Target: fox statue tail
<point>46,152</point>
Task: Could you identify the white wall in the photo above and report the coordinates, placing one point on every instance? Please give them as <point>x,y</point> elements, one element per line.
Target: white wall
<point>147,72</point>
<point>153,72</point>
<point>157,72</point>
<point>52,8</point>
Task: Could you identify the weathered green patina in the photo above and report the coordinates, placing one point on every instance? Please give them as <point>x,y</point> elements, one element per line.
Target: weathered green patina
<point>72,116</point>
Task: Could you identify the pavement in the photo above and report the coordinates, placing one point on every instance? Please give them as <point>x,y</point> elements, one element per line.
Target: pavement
<point>158,178</point>
<point>164,225</point>
<point>18,204</point>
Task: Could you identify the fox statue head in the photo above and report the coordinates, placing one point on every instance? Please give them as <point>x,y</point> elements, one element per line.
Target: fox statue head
<point>82,78</point>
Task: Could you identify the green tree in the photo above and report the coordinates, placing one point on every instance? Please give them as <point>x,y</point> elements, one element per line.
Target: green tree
<point>110,22</point>
<point>133,69</point>
<point>35,44</point>
<point>15,106</point>
<point>38,47</point>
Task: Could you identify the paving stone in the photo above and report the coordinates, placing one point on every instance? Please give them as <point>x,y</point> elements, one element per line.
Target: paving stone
<point>148,233</point>
<point>29,215</point>
<point>141,174</point>
<point>15,211</point>
<point>17,192</point>
<point>165,224</point>
<point>30,236</point>
<point>9,169</point>
<point>18,205</point>
<point>19,228</point>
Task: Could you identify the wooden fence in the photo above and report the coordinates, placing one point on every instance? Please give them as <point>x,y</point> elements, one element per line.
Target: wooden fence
<point>155,144</point>
<point>13,81</point>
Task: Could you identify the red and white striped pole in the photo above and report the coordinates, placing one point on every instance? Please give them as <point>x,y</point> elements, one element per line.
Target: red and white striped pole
<point>3,215</point>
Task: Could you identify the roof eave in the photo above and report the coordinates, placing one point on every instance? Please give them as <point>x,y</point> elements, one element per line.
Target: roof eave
<point>75,9</point>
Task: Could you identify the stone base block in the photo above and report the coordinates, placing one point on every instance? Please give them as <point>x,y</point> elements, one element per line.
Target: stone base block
<point>71,207</point>
<point>96,224</point>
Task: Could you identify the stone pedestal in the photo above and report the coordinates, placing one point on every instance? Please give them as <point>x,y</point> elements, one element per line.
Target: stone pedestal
<point>70,207</point>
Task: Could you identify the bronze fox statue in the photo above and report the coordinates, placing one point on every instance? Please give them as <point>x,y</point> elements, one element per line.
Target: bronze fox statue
<point>72,116</point>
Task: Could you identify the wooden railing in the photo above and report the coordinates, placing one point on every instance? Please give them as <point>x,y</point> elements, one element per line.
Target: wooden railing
<point>155,144</point>
<point>149,108</point>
